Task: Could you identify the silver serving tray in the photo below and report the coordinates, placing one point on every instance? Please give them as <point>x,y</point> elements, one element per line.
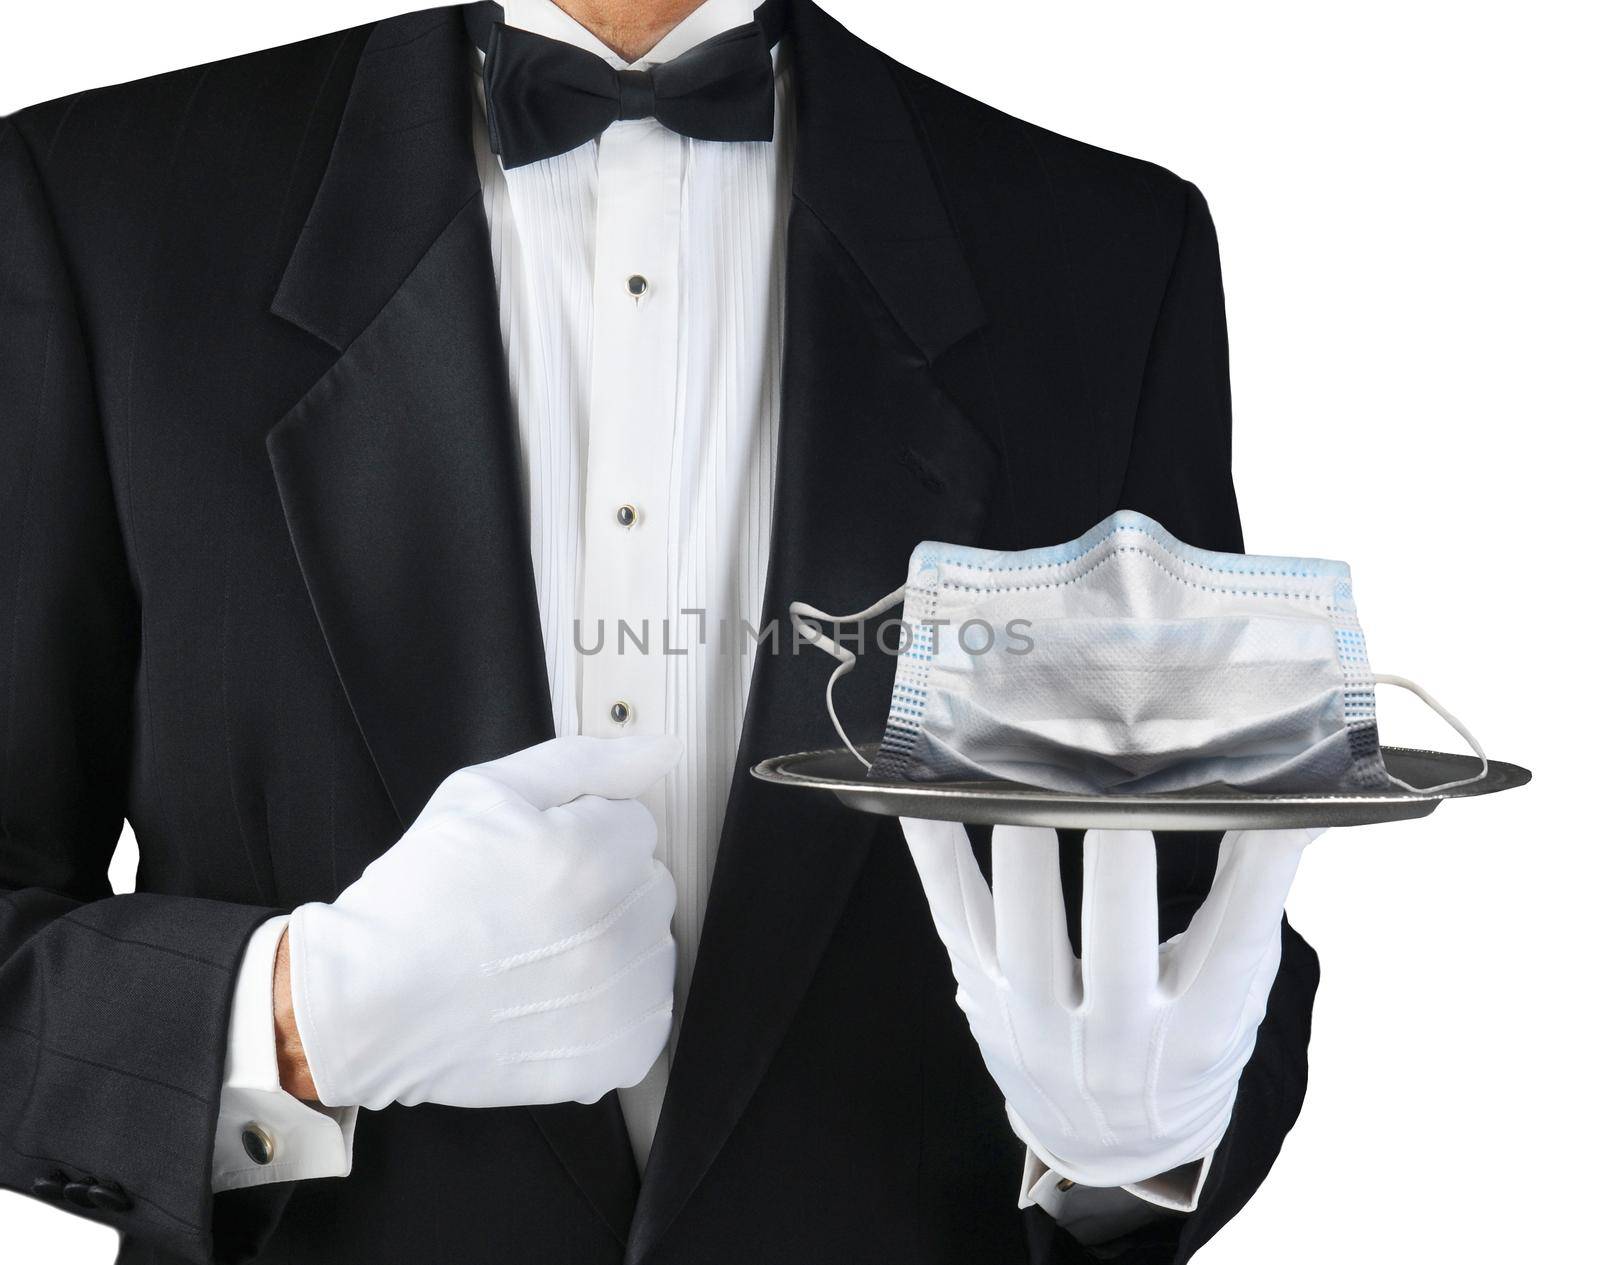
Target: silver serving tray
<point>1204,808</point>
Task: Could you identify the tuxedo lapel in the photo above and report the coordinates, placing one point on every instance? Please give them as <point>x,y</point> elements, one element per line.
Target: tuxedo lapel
<point>398,478</point>
<point>398,471</point>
<point>400,169</point>
<point>873,457</point>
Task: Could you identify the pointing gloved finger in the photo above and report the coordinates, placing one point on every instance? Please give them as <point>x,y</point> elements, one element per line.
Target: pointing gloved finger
<point>1033,950</point>
<point>963,909</point>
<point>562,769</point>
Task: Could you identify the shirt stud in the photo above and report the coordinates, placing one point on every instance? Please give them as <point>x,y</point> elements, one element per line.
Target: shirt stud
<point>627,515</point>
<point>621,712</point>
<point>637,285</point>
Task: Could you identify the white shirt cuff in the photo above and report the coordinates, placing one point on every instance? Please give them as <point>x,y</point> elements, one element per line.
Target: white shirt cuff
<point>264,1133</point>
<point>1096,1215</point>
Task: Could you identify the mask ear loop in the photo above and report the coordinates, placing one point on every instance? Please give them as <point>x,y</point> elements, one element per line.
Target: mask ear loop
<point>803,613</point>
<point>1477,749</point>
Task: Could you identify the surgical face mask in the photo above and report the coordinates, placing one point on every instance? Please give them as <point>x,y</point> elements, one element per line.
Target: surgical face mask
<point>1127,662</point>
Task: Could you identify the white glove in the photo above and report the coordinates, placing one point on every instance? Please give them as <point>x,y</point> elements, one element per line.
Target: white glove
<point>1125,1065</point>
<point>513,948</point>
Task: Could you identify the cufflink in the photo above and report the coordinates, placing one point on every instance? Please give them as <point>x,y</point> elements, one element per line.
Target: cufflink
<point>257,1143</point>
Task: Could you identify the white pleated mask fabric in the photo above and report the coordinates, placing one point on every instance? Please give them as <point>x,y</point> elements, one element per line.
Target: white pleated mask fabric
<point>1127,662</point>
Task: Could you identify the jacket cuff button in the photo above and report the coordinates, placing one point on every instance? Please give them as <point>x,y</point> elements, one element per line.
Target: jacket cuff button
<point>50,1186</point>
<point>78,1193</point>
<point>109,1197</point>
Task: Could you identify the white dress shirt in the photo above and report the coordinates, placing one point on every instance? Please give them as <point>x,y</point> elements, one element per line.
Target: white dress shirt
<point>662,406</point>
<point>640,281</point>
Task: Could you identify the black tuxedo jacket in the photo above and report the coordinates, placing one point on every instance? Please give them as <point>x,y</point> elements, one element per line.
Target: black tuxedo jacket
<point>264,582</point>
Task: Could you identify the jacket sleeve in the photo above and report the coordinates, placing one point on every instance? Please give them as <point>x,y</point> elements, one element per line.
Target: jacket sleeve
<point>113,1009</point>
<point>1179,472</point>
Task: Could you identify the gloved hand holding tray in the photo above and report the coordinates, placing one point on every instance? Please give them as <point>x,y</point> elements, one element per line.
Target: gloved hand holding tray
<point>1126,680</point>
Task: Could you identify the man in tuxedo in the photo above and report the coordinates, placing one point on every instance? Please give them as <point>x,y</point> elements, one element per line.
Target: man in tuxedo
<point>352,394</point>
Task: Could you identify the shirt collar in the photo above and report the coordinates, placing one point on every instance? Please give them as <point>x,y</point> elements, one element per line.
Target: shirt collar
<point>713,17</point>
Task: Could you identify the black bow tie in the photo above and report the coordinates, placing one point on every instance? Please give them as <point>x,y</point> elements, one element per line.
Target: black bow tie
<point>545,97</point>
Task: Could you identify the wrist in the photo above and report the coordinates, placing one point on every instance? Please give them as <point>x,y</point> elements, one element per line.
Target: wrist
<point>1103,1167</point>
<point>294,1072</point>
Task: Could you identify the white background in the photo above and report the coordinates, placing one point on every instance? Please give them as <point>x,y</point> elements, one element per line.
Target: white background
<point>1405,194</point>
